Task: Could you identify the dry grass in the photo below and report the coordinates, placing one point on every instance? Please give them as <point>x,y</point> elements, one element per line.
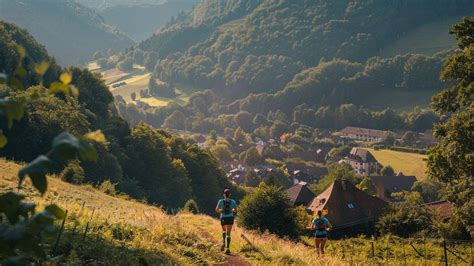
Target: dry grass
<point>408,163</point>
<point>160,238</point>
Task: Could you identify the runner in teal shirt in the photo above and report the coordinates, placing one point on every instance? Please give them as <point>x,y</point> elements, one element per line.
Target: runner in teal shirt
<point>227,208</point>
<point>322,226</point>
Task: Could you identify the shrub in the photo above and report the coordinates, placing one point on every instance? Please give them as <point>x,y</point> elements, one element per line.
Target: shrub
<point>269,209</point>
<point>108,188</point>
<point>405,220</point>
<point>73,173</point>
<point>191,206</point>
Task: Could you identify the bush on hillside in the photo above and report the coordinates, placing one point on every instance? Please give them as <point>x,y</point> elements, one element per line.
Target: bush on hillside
<point>269,209</point>
<point>191,206</point>
<point>405,220</point>
<point>108,188</point>
<point>73,173</point>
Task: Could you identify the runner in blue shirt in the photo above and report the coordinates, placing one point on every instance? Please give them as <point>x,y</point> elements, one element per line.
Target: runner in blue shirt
<point>226,208</point>
<point>322,226</point>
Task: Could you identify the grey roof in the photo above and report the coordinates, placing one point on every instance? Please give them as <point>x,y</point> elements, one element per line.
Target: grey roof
<point>300,194</point>
<point>361,155</point>
<point>394,183</point>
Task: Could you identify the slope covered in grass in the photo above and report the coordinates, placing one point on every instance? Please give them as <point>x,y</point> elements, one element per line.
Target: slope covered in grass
<point>407,163</point>
<point>124,231</point>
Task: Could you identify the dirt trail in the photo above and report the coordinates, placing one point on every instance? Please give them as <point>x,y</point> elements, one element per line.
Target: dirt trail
<point>233,259</point>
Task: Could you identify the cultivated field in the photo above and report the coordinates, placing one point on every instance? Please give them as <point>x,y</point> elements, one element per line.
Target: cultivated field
<point>134,82</point>
<point>407,163</point>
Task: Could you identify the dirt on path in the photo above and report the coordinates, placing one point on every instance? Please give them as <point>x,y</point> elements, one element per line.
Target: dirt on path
<point>236,260</point>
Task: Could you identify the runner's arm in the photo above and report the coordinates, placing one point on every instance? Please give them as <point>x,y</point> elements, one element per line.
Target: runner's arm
<point>218,207</point>
<point>329,226</point>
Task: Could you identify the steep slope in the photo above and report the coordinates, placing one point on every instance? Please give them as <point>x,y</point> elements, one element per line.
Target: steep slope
<point>140,21</point>
<point>71,32</point>
<point>207,48</point>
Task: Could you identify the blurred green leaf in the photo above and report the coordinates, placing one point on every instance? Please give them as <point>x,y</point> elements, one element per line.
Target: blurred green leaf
<point>21,51</point>
<point>74,90</point>
<point>14,110</point>
<point>20,72</point>
<point>10,206</point>
<point>3,140</point>
<point>65,78</point>
<point>66,146</point>
<point>56,211</point>
<point>41,68</point>
<point>87,151</point>
<point>37,170</point>
<point>58,87</point>
<point>96,136</point>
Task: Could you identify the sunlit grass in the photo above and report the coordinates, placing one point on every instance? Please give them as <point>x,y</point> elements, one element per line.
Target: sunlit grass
<point>407,163</point>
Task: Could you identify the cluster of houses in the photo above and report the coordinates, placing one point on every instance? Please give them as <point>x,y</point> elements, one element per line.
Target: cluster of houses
<point>352,211</point>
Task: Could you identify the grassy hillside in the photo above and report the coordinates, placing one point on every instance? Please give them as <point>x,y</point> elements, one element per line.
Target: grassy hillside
<point>408,163</point>
<point>128,233</point>
<point>71,32</point>
<point>122,231</point>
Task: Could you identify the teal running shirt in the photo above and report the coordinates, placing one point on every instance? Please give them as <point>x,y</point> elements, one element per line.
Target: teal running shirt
<point>231,204</point>
<point>321,226</point>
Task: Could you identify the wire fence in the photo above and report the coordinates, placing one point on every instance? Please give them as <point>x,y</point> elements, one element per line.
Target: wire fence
<point>400,251</point>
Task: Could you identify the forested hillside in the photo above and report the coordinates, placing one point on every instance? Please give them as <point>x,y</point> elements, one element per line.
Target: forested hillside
<point>71,32</point>
<point>141,161</point>
<point>221,44</point>
<point>139,21</point>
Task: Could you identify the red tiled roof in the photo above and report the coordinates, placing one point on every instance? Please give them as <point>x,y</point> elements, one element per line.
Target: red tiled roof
<point>442,208</point>
<point>364,131</point>
<point>347,205</point>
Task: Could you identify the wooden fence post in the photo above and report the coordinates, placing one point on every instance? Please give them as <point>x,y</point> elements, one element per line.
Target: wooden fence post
<point>87,225</point>
<point>59,235</point>
<point>445,253</point>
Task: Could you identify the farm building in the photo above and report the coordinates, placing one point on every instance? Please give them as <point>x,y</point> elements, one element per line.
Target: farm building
<point>362,161</point>
<point>364,134</point>
<point>386,185</point>
<point>350,210</point>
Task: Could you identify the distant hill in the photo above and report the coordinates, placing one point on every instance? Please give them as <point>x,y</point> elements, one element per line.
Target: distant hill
<point>71,32</point>
<point>215,44</point>
<point>141,20</point>
<point>110,3</point>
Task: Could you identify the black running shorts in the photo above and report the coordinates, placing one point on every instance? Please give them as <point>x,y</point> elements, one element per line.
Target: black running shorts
<point>227,220</point>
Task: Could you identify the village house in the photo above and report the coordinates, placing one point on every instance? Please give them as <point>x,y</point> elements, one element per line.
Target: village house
<point>362,161</point>
<point>300,194</point>
<point>350,210</point>
<point>386,185</point>
<point>364,134</point>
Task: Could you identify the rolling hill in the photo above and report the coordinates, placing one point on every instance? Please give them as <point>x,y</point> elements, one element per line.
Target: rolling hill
<point>139,21</point>
<point>71,32</point>
<point>209,45</point>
